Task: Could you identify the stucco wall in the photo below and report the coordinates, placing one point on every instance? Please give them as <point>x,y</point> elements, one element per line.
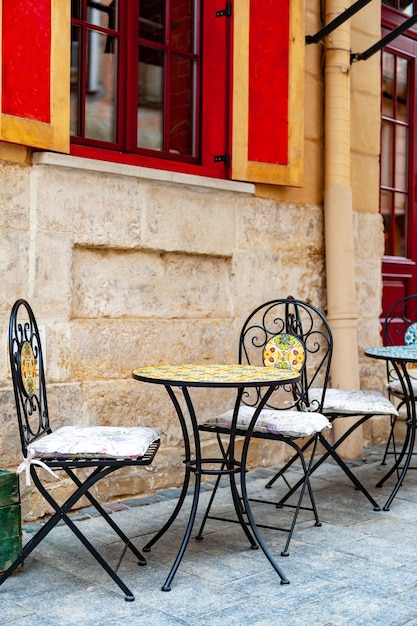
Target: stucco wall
<point>126,270</point>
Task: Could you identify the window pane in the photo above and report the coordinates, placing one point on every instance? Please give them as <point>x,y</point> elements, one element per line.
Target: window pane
<point>388,70</point>
<point>406,6</point>
<point>104,13</point>
<point>75,81</point>
<point>94,52</point>
<point>182,20</point>
<point>400,224</point>
<point>150,130</point>
<point>394,213</point>
<point>401,165</point>
<point>387,219</point>
<point>76,9</point>
<point>387,199</point>
<point>402,84</point>
<point>387,143</point>
<point>395,137</point>
<point>136,76</point>
<point>152,20</point>
<point>181,106</point>
<point>100,119</point>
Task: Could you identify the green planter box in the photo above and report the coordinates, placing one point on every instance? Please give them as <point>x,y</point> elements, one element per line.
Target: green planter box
<point>10,519</point>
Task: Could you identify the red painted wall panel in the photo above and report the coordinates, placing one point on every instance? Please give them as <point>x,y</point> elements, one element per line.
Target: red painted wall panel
<point>26,50</point>
<point>268,81</point>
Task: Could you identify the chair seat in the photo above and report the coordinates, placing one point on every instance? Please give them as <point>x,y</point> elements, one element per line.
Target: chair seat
<point>94,441</point>
<point>353,402</point>
<point>395,387</point>
<point>276,422</point>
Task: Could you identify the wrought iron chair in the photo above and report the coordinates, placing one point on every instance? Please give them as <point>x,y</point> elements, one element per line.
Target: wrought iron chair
<point>100,450</point>
<point>341,404</point>
<point>289,334</point>
<point>399,328</point>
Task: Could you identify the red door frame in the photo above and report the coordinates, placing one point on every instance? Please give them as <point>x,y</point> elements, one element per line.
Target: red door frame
<point>399,274</point>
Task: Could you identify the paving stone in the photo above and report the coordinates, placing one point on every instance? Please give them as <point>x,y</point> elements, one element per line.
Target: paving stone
<point>358,568</point>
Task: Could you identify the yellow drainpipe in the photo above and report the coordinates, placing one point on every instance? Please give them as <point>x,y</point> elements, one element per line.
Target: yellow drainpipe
<point>341,298</point>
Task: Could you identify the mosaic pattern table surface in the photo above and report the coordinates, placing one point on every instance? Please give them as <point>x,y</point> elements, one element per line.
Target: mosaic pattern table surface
<point>204,374</point>
<point>396,353</point>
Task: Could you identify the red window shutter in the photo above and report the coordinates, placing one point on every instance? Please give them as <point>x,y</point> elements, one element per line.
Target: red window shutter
<point>35,65</point>
<point>268,91</point>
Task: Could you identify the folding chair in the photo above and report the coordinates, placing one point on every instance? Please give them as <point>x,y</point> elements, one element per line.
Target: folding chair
<point>289,334</point>
<point>100,450</point>
<point>341,404</point>
<point>399,328</point>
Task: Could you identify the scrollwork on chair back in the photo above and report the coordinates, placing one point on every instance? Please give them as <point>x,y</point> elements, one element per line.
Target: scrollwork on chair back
<point>27,369</point>
<point>290,334</point>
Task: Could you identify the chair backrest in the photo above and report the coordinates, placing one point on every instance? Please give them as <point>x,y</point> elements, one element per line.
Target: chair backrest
<point>400,323</point>
<point>27,369</point>
<point>290,334</point>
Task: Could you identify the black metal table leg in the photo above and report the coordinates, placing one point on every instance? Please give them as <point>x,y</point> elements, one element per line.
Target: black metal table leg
<point>410,436</point>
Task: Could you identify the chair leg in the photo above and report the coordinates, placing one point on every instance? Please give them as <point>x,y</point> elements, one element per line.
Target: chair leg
<point>129,597</point>
<point>31,545</point>
<point>63,510</point>
<point>61,513</point>
<point>109,520</point>
<point>331,451</point>
<point>306,484</point>
<point>398,460</point>
<point>391,442</point>
<point>281,472</point>
<point>241,510</point>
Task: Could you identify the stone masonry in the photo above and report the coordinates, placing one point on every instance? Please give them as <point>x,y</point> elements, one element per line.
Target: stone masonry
<point>124,270</point>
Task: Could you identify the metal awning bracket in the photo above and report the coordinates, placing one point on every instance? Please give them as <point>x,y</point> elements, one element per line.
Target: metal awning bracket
<point>340,19</point>
<point>393,34</point>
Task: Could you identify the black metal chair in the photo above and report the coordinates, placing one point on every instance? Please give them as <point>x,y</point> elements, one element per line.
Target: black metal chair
<point>289,334</point>
<point>342,404</point>
<point>399,328</point>
<point>99,450</point>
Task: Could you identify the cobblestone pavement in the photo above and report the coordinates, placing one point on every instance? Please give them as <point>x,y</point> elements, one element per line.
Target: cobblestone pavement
<point>358,568</point>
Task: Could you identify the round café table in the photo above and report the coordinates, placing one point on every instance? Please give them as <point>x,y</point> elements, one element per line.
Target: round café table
<point>400,357</point>
<point>239,377</point>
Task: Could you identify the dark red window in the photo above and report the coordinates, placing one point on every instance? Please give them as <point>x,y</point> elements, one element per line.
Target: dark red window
<point>398,196</point>
<point>405,6</point>
<point>149,82</point>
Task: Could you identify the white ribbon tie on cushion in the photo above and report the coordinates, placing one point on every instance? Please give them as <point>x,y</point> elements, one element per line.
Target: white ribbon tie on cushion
<point>30,460</point>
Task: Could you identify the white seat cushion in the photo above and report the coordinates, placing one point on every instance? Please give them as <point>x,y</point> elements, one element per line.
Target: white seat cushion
<point>395,386</point>
<point>354,402</point>
<point>93,441</point>
<point>289,423</point>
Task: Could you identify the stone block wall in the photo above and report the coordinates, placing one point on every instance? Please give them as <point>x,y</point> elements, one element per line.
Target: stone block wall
<point>126,267</point>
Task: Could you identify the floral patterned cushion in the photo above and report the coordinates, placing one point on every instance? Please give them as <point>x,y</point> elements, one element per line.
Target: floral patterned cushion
<point>92,441</point>
<point>289,423</point>
<point>354,402</point>
<point>395,386</point>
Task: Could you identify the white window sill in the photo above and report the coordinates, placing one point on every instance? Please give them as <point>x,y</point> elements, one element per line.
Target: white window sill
<point>93,165</point>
